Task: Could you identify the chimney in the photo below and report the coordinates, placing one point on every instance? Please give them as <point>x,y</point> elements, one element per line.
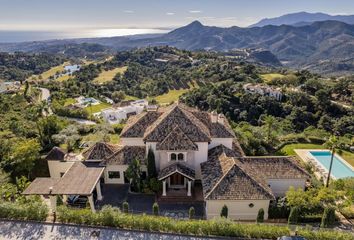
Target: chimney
<point>214,117</point>
<point>221,118</point>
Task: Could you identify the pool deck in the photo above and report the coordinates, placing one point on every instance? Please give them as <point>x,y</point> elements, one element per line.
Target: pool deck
<point>319,169</point>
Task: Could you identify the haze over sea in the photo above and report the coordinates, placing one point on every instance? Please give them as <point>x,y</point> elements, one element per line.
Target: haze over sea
<point>25,36</point>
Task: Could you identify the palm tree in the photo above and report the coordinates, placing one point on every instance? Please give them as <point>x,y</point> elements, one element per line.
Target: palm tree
<point>332,144</point>
<point>269,121</point>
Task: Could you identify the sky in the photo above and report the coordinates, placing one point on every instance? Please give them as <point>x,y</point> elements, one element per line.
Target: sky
<point>50,15</point>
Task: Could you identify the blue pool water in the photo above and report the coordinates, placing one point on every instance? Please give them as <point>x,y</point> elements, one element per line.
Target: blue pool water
<point>339,168</point>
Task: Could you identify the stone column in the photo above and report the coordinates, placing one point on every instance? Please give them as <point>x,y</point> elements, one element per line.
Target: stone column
<point>164,188</point>
<point>189,193</point>
<point>92,204</point>
<point>98,190</point>
<point>53,203</point>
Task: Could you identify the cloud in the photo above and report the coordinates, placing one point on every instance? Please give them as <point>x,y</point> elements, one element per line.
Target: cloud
<point>195,11</point>
<point>170,13</point>
<point>128,11</point>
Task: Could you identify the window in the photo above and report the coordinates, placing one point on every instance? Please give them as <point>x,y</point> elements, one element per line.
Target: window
<point>62,174</point>
<point>113,174</point>
<point>177,157</point>
<point>251,205</point>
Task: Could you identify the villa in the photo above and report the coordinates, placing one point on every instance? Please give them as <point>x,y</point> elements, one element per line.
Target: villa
<point>197,155</point>
<point>263,90</point>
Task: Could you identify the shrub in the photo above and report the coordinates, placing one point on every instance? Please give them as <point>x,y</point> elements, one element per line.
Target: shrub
<point>151,166</point>
<point>260,216</point>
<point>224,211</point>
<point>125,207</point>
<point>29,211</point>
<point>191,212</point>
<point>216,227</point>
<point>294,215</point>
<point>328,218</point>
<point>155,209</point>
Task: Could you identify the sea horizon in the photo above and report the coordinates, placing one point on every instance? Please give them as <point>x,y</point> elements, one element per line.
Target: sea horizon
<point>15,36</point>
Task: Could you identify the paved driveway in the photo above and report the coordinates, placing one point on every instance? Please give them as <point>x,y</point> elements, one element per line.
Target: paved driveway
<point>33,231</point>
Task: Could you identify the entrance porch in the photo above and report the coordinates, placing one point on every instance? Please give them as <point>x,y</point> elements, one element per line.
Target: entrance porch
<point>177,180</point>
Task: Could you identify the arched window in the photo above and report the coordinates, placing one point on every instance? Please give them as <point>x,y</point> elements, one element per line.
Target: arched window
<point>180,156</point>
<point>173,156</point>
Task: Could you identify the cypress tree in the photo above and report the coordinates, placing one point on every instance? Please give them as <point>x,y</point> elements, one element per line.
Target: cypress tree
<point>125,207</point>
<point>224,211</point>
<point>151,167</point>
<point>294,215</point>
<point>328,217</point>
<point>260,216</point>
<point>155,209</point>
<point>191,212</point>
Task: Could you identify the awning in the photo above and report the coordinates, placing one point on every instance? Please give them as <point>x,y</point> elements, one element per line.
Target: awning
<point>177,168</point>
<point>80,179</point>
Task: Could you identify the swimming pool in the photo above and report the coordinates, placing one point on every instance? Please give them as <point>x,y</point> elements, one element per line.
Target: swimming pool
<point>340,169</point>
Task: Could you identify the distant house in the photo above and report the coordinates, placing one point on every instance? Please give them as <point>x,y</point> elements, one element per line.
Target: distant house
<point>117,114</point>
<point>9,87</point>
<point>197,158</point>
<point>263,90</point>
<point>83,102</point>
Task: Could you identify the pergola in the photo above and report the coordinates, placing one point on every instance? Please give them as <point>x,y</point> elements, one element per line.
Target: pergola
<point>81,179</point>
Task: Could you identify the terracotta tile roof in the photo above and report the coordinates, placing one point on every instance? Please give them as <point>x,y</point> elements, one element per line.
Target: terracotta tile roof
<point>217,130</point>
<point>136,125</point>
<point>125,155</point>
<point>238,185</point>
<point>177,168</point>
<point>56,154</point>
<point>99,151</point>
<point>177,114</point>
<point>225,174</point>
<point>40,186</point>
<point>177,140</point>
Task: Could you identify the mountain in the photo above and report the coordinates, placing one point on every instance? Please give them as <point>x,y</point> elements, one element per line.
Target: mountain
<point>326,46</point>
<point>303,18</point>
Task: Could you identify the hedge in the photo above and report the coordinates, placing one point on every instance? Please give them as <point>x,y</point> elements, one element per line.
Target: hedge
<point>29,211</point>
<point>112,217</point>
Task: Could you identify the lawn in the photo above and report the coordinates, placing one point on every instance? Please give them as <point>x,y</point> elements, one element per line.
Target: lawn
<point>69,101</point>
<point>50,72</point>
<point>130,98</point>
<point>171,96</point>
<point>107,76</point>
<point>288,150</point>
<point>97,108</point>
<point>270,76</point>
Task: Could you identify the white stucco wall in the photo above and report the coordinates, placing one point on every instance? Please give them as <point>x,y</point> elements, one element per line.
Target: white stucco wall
<point>238,209</point>
<point>193,158</point>
<point>132,142</point>
<point>121,169</point>
<point>281,186</point>
<point>227,142</point>
<point>57,167</point>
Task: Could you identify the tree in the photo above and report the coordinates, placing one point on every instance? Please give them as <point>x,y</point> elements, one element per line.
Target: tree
<point>297,198</point>
<point>224,211</point>
<point>294,215</point>
<point>191,212</point>
<point>332,144</point>
<point>151,167</point>
<point>22,157</point>
<point>118,96</point>
<point>260,216</point>
<point>328,218</point>
<point>155,209</point>
<point>269,123</point>
<point>133,173</point>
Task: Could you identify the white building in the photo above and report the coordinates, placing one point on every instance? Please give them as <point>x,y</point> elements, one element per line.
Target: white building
<point>263,90</point>
<point>197,156</point>
<point>116,115</point>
